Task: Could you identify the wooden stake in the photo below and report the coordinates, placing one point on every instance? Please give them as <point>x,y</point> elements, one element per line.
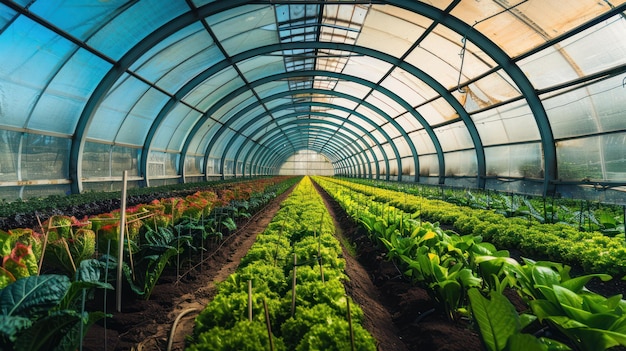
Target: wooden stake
<point>120,257</point>
<point>45,243</point>
<point>250,300</point>
<point>269,327</point>
<point>293,286</point>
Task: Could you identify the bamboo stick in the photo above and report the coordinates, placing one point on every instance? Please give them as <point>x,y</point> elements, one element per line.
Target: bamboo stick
<point>269,327</point>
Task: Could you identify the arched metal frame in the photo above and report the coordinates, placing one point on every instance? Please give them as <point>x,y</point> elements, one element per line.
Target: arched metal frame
<point>361,166</point>
<point>241,113</point>
<point>295,114</point>
<point>286,106</point>
<point>264,155</point>
<point>438,16</point>
<point>340,152</point>
<point>314,73</point>
<point>273,160</point>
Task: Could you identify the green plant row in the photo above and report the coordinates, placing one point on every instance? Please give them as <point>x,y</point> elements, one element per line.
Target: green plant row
<point>584,215</point>
<point>317,319</point>
<point>60,202</point>
<point>461,271</point>
<point>593,251</point>
<point>41,300</point>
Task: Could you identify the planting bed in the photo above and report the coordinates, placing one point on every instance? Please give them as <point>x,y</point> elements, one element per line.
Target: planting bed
<point>391,305</point>
<point>398,314</point>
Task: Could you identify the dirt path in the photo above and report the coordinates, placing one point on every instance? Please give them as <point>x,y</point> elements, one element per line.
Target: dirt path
<point>377,319</point>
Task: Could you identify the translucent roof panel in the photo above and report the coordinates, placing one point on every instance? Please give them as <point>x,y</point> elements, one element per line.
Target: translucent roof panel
<point>504,90</point>
<point>244,28</point>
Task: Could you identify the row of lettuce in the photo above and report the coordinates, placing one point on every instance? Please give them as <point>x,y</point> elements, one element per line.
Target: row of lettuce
<point>593,251</point>
<point>584,215</point>
<point>468,277</point>
<point>48,272</point>
<point>310,311</point>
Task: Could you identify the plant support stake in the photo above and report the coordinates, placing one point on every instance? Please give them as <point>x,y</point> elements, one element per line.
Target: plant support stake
<point>120,256</point>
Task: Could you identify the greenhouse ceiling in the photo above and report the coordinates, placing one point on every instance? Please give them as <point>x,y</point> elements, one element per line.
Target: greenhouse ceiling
<point>523,96</point>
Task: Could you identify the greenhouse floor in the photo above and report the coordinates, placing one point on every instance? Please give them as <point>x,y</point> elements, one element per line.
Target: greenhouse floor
<point>399,315</point>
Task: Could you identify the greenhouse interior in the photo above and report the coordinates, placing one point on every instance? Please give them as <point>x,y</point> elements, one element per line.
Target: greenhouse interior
<point>478,102</point>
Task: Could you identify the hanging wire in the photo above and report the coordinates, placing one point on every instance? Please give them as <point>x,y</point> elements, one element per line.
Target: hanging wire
<point>464,41</point>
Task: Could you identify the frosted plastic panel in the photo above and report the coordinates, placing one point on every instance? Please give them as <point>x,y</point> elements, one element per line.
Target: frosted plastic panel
<point>589,49</point>
<point>353,89</point>
<point>438,56</point>
<point>429,166</point>
<point>44,157</point>
<point>180,132</point>
<point>454,137</point>
<point>261,66</point>
<point>385,103</point>
<point>255,113</point>
<point>169,132</point>
<point>438,111</point>
<point>9,154</point>
<point>188,69</point>
<point>461,163</point>
<point>125,159</point>
<point>222,140</point>
<point>391,130</point>
<point>530,24</point>
<point>367,68</point>
<point>233,105</point>
<point>112,112</point>
<point>214,89</point>
<point>423,142</point>
<point>162,164</point>
<point>547,68</point>
<point>571,114</point>
<point>610,103</point>
<point>110,161</point>
<point>408,122</point>
<point>493,89</point>
<point>409,87</point>
<point>524,160</point>
<point>307,163</point>
<point>391,30</point>
<point>271,88</point>
<point>343,22</point>
<point>510,123</point>
<point>132,25</point>
<point>67,93</point>
<point>402,146</point>
<point>194,165</point>
<point>35,55</point>
<point>374,117</point>
<point>6,15</point>
<point>594,158</point>
<point>245,27</point>
<point>137,124</point>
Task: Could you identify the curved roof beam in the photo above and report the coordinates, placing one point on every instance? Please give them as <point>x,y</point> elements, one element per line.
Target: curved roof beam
<point>275,161</point>
<point>317,73</point>
<point>322,114</point>
<point>241,113</point>
<point>250,107</point>
<point>287,106</point>
<point>272,159</point>
<point>273,147</point>
<point>342,151</point>
<point>510,67</point>
<point>215,7</point>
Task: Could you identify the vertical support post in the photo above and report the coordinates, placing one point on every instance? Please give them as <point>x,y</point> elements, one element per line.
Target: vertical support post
<point>120,253</point>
